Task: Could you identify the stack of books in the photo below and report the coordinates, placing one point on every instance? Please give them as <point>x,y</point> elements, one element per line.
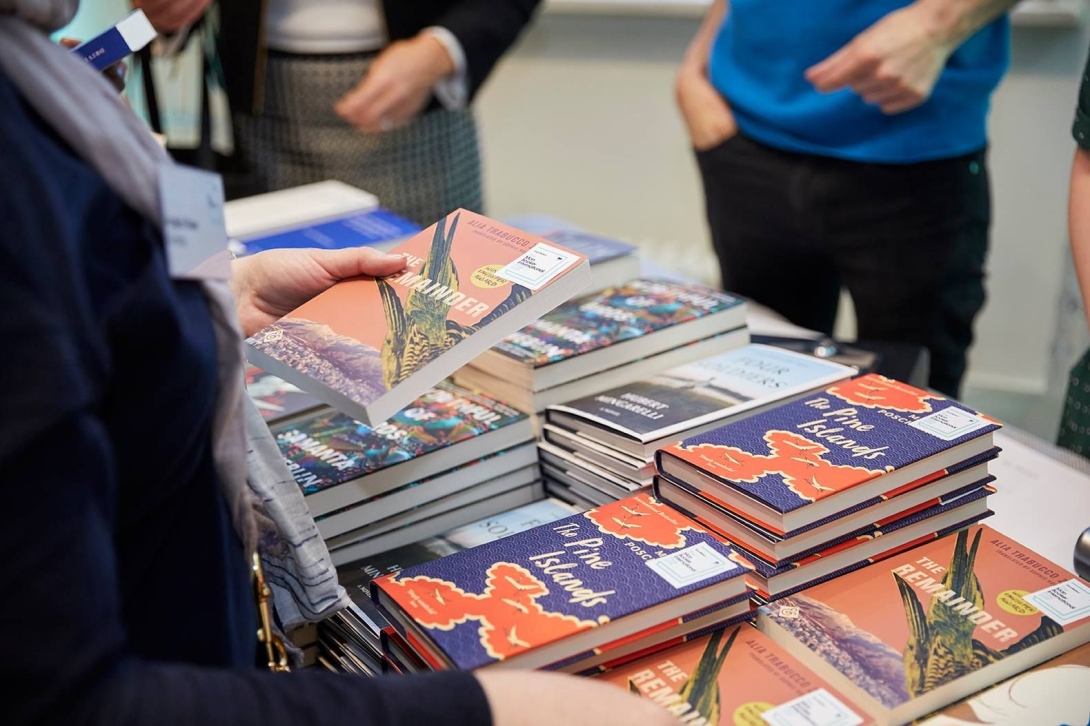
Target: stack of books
<point>451,453</point>
<point>351,640</point>
<point>614,337</point>
<point>833,481</point>
<point>570,596</point>
<point>602,447</point>
<point>933,625</point>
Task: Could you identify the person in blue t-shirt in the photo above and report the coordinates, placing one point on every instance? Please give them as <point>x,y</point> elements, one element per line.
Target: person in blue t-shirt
<point>843,145</point>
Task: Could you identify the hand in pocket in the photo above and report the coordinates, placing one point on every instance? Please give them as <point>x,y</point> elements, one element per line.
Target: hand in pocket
<point>704,110</point>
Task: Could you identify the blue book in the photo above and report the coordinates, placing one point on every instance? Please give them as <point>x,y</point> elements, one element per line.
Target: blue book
<point>371,228</point>
<point>796,464</point>
<point>550,596</point>
<point>132,33</point>
<point>594,248</point>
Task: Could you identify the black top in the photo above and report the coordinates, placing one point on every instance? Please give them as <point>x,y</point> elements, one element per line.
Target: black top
<point>485,29</point>
<point>1081,128</point>
<point>125,591</point>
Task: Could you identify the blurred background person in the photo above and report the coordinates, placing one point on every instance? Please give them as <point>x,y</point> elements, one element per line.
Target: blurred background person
<point>850,153</point>
<point>374,93</point>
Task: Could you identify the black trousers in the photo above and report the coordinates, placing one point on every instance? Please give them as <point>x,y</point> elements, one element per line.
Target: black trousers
<point>908,242</point>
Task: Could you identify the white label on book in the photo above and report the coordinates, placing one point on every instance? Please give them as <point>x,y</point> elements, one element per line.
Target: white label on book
<point>950,423</point>
<point>1065,603</point>
<point>691,565</point>
<point>817,708</point>
<point>538,266</point>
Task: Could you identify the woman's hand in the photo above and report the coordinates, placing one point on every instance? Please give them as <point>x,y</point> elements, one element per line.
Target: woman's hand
<point>170,16</point>
<point>397,85</point>
<point>271,284</point>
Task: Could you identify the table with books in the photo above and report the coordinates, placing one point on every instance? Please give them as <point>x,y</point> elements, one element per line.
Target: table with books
<point>622,486</point>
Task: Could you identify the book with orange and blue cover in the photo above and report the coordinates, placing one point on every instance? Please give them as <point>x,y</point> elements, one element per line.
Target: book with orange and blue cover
<point>369,346</point>
<point>810,459</point>
<point>934,624</point>
<point>550,596</point>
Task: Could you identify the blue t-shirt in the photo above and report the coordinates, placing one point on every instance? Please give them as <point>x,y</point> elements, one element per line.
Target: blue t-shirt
<point>762,52</point>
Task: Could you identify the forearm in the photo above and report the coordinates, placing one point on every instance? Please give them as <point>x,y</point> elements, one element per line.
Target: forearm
<point>696,56</point>
<point>1078,218</point>
<point>953,21</point>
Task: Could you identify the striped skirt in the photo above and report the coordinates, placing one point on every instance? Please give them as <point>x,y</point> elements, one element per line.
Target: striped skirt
<point>422,170</point>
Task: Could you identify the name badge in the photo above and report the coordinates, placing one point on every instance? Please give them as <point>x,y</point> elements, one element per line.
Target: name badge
<point>194,232</point>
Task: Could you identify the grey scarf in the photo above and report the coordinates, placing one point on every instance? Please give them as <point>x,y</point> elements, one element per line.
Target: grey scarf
<point>266,506</point>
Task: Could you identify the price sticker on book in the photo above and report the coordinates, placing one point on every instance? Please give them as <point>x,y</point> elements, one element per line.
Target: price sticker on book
<point>1065,603</point>
<point>691,565</point>
<point>950,423</point>
<point>817,708</point>
<point>539,266</point>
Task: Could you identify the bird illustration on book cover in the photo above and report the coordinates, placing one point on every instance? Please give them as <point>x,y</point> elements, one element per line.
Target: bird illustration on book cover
<point>896,659</point>
<point>810,449</point>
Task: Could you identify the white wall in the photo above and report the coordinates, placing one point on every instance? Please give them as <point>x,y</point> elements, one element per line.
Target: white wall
<point>580,122</point>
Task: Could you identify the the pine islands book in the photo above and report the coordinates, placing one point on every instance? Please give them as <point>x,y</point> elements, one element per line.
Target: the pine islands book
<point>550,596</point>
<point>369,346</point>
<point>687,400</point>
<point>919,631</point>
<point>801,462</point>
<point>1056,693</point>
<point>733,677</point>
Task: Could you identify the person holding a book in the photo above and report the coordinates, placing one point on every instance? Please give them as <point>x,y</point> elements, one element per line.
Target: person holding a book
<point>851,152</point>
<point>374,93</point>
<point>127,597</point>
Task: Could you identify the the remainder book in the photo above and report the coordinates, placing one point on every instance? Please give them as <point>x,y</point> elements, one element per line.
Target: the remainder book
<point>799,463</point>
<point>369,346</point>
<point>338,461</point>
<point>736,676</point>
<point>642,417</point>
<point>1053,693</point>
<point>275,398</point>
<point>617,326</point>
<point>935,624</point>
<point>551,595</point>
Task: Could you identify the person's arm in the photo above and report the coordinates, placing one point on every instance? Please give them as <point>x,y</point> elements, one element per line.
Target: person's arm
<point>706,114</point>
<point>469,38</point>
<point>895,63</point>
<point>1078,222</point>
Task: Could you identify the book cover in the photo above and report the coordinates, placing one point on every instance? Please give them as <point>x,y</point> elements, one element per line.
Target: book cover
<point>504,599</point>
<point>733,677</point>
<point>699,393</point>
<point>594,248</point>
<point>612,316</point>
<point>810,449</point>
<point>361,229</point>
<point>274,397</point>
<point>330,448</point>
<point>1056,693</point>
<point>934,624</point>
<point>360,340</point>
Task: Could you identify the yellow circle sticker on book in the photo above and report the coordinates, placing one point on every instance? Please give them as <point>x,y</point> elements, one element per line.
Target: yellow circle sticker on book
<point>749,714</point>
<point>1012,602</point>
<point>486,277</point>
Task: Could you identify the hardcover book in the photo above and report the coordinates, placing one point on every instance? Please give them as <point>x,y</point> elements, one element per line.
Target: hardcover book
<point>921,630</point>
<point>735,676</point>
<point>616,326</point>
<point>275,398</point>
<point>369,346</point>
<point>338,461</point>
<point>376,227</point>
<point>1052,694</point>
<point>641,417</point>
<point>777,547</point>
<point>612,262</point>
<point>795,464</point>
<point>551,595</point>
